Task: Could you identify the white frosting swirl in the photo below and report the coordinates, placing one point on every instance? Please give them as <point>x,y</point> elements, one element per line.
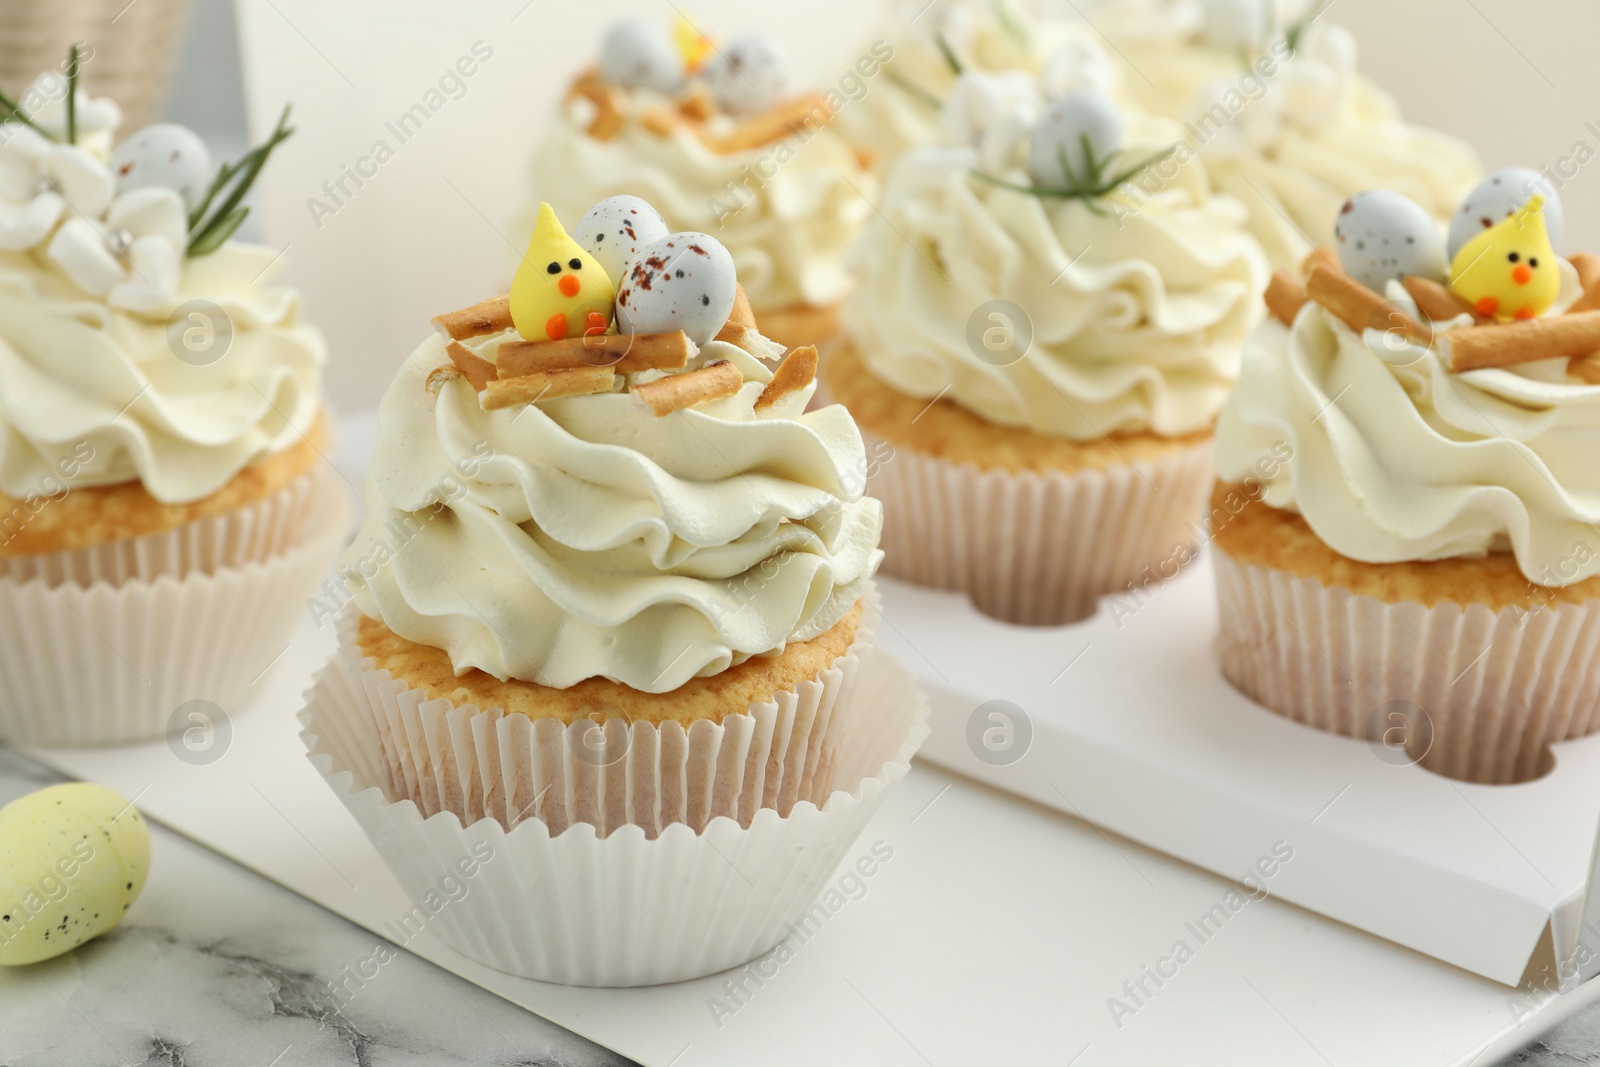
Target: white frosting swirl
<point>586,537</point>
<point>75,372</point>
<point>901,108</point>
<point>788,212</point>
<point>1389,457</point>
<point>1138,312</point>
<point>1292,144</point>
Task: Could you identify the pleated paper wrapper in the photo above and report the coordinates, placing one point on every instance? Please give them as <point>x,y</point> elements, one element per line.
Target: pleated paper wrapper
<point>481,763</point>
<point>1038,549</point>
<point>1470,693</point>
<point>625,909</point>
<point>104,645</point>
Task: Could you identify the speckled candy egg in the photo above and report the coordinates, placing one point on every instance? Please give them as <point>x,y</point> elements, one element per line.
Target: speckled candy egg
<point>1236,25</point>
<point>637,54</point>
<point>685,281</point>
<point>164,156</point>
<point>1383,236</point>
<point>1061,132</point>
<point>1498,197</point>
<point>748,75</point>
<point>616,229</point>
<point>73,859</point>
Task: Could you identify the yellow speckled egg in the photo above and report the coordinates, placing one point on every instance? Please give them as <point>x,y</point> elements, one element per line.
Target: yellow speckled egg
<point>73,859</point>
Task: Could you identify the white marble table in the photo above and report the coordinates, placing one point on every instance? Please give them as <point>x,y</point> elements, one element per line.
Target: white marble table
<point>218,967</point>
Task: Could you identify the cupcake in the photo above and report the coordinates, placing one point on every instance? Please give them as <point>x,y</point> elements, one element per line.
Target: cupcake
<point>925,47</point>
<point>164,508</point>
<point>614,610</point>
<point>1271,94</point>
<point>1405,520</point>
<point>1051,317</point>
<point>715,137</point>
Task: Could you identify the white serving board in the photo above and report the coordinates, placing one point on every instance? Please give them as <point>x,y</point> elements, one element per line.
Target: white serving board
<point>997,933</point>
<point>1134,728</point>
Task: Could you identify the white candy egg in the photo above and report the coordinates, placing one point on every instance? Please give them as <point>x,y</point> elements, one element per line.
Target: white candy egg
<point>1081,114</point>
<point>748,75</point>
<point>992,113</point>
<point>1236,25</point>
<point>1498,197</point>
<point>616,229</point>
<point>1079,63</point>
<point>1383,236</point>
<point>638,54</point>
<point>165,156</point>
<point>685,281</point>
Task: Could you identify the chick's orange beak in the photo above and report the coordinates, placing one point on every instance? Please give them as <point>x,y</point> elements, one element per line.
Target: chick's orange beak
<point>1522,275</point>
<point>570,285</point>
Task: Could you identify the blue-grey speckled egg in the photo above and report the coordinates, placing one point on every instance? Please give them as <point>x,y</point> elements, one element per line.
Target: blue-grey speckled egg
<point>1082,113</point>
<point>165,156</point>
<point>1383,236</point>
<point>639,54</point>
<point>685,281</point>
<point>616,229</point>
<point>1498,197</point>
<point>748,75</point>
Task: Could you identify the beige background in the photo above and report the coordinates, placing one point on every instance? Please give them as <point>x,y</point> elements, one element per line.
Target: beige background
<point>434,230</point>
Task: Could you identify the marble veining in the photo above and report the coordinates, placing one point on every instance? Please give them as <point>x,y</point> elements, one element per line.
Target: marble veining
<point>217,967</point>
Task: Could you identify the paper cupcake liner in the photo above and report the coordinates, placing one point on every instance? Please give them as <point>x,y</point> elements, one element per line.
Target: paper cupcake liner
<point>235,538</point>
<point>481,763</point>
<point>621,910</point>
<point>113,662</point>
<point>1471,693</point>
<point>1038,549</point>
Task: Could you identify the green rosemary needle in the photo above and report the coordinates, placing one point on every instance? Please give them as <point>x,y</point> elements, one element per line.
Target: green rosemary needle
<point>207,234</point>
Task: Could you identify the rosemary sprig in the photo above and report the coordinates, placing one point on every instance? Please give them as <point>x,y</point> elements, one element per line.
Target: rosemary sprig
<point>915,90</point>
<point>1088,187</point>
<point>11,111</point>
<point>207,234</point>
<point>73,62</point>
<point>1298,30</point>
<point>1009,23</point>
<point>948,53</point>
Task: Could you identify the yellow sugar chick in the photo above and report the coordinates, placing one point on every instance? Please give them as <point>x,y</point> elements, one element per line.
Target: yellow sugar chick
<point>560,290</point>
<point>694,46</point>
<point>1509,270</point>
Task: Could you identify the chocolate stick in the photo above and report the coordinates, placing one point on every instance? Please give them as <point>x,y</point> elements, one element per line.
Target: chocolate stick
<point>1285,297</point>
<point>798,370</point>
<point>678,391</point>
<point>624,353</point>
<point>1360,308</point>
<point>491,316</point>
<point>1507,344</point>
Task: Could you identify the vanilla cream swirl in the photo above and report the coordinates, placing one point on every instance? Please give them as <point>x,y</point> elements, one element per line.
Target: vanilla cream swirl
<point>103,392</point>
<point>1393,458</point>
<point>1138,305</point>
<point>901,108</point>
<point>1291,136</point>
<point>587,537</point>
<point>787,212</point>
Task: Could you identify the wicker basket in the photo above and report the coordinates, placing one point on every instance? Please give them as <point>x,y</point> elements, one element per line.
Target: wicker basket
<point>134,45</point>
